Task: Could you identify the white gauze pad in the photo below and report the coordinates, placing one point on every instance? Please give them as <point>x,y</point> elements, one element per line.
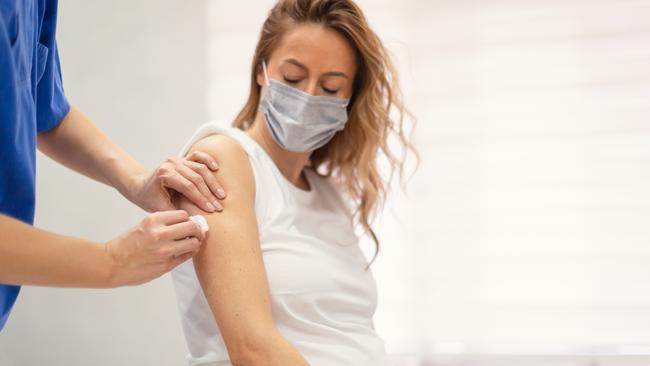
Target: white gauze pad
<point>201,221</point>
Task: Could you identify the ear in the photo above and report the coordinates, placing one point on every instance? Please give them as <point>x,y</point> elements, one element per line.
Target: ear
<point>259,75</point>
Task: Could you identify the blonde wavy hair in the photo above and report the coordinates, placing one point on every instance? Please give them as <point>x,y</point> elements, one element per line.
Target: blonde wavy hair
<point>352,155</point>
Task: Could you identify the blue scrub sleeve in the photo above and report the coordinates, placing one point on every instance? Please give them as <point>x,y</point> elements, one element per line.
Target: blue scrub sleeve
<point>52,105</point>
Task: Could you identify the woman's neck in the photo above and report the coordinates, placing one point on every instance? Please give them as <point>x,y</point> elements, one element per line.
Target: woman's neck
<point>290,164</point>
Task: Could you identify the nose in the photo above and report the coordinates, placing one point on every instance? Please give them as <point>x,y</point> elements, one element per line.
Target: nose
<point>312,87</point>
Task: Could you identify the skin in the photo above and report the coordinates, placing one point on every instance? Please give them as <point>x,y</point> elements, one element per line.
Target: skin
<point>79,145</point>
<point>29,256</point>
<point>229,266</point>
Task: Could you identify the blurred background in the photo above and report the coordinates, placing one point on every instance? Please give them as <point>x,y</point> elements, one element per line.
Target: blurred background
<point>523,238</point>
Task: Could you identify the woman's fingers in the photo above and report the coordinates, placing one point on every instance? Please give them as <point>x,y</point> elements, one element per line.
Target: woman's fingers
<point>208,177</point>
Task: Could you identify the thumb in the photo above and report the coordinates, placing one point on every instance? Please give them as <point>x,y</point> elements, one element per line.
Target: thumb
<point>160,204</point>
<point>166,200</point>
<point>166,205</point>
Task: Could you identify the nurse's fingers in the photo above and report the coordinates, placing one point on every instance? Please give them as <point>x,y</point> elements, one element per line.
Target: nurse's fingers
<point>183,231</point>
<point>199,183</point>
<point>171,217</point>
<point>174,262</point>
<point>203,158</point>
<point>208,177</point>
<point>184,186</point>
<point>182,247</point>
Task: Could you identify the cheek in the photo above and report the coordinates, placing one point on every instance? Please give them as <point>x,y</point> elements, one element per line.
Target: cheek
<point>348,91</point>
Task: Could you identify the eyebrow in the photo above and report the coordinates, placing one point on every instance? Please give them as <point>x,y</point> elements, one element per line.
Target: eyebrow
<point>302,66</point>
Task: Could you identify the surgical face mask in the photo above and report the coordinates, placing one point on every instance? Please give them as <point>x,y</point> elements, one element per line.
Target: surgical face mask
<point>299,121</point>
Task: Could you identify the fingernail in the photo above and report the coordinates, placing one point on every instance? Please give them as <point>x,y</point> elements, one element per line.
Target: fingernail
<point>221,193</point>
<point>210,207</point>
<point>218,205</point>
<point>214,165</point>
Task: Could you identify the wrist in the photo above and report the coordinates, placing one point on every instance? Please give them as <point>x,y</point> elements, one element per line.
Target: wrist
<point>132,184</point>
<point>126,176</point>
<point>109,267</point>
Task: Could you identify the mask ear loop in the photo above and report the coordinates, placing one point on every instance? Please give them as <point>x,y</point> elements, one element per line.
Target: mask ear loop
<point>266,73</point>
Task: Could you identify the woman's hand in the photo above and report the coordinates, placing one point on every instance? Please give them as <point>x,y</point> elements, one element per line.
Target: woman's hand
<point>191,177</point>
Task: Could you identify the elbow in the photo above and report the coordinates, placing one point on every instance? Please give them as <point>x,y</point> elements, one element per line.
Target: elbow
<point>242,358</point>
<point>253,349</point>
<point>263,347</point>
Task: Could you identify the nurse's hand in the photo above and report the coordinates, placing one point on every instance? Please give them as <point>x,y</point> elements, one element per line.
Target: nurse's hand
<point>155,246</point>
<point>191,177</point>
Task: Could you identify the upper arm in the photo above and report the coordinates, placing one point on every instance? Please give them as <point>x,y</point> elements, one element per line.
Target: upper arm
<point>229,265</point>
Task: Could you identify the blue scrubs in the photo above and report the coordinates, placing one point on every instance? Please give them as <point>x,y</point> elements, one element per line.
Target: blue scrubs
<point>31,101</point>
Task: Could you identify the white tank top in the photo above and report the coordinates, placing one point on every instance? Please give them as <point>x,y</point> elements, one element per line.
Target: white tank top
<point>322,298</point>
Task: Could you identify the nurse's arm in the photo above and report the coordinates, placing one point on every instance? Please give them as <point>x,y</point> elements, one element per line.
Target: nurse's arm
<point>231,270</point>
<point>80,145</point>
<point>30,256</point>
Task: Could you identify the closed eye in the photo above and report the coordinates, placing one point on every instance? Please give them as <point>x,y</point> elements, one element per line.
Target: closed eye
<point>292,81</point>
<point>296,81</point>
<point>328,91</point>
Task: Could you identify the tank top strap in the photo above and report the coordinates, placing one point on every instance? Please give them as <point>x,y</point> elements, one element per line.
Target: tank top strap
<point>213,128</point>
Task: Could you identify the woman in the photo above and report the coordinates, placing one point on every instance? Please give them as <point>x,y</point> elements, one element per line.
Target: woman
<point>282,273</point>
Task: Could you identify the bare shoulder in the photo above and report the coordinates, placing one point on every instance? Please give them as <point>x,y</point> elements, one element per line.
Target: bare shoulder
<point>235,173</point>
<point>222,147</point>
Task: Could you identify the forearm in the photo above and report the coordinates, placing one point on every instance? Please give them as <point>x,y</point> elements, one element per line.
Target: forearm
<point>29,256</point>
<point>79,145</point>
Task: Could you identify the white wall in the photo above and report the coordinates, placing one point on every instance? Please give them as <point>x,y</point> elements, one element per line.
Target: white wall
<point>526,228</point>
<point>138,69</point>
